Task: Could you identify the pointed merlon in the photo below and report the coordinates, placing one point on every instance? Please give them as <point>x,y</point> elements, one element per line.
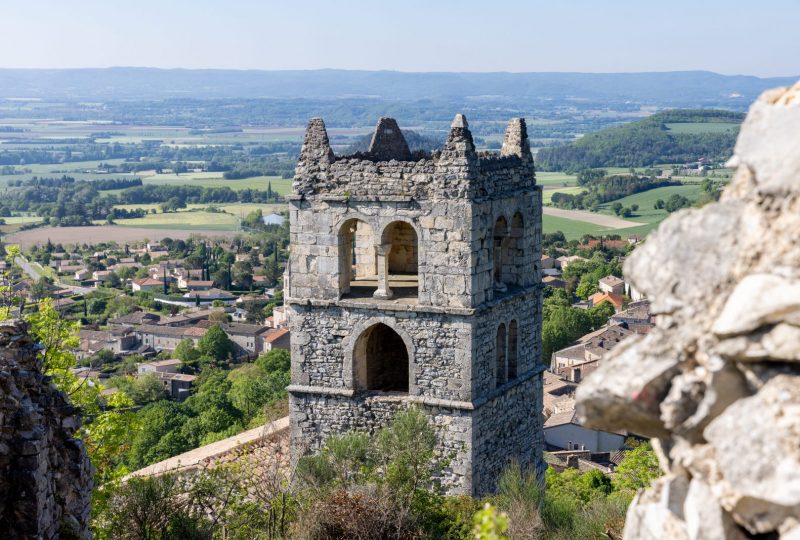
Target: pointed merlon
<point>388,142</point>
<point>316,146</point>
<point>459,140</point>
<point>460,121</point>
<point>515,142</point>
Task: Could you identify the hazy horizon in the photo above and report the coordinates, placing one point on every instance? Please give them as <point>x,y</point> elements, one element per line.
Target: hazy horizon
<point>581,36</point>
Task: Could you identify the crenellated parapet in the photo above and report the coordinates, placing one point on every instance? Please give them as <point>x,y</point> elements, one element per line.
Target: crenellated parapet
<point>390,169</point>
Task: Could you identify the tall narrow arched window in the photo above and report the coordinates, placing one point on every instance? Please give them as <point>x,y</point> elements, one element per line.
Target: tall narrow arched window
<point>499,246</point>
<point>402,258</point>
<point>513,346</point>
<point>500,356</point>
<point>380,361</point>
<point>516,249</point>
<point>357,257</point>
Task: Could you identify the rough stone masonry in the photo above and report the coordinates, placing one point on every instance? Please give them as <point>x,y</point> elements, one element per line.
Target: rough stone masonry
<point>46,485</point>
<point>414,279</point>
<point>717,381</point>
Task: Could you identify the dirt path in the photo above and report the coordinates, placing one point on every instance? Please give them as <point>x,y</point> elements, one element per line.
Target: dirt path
<point>103,233</point>
<point>604,220</point>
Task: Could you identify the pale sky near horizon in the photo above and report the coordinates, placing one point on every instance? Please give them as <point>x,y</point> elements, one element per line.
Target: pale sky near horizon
<point>731,37</point>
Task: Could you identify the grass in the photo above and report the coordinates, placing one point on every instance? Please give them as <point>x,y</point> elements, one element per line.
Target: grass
<point>237,209</point>
<point>548,194</point>
<point>646,199</point>
<point>574,230</point>
<point>554,179</point>
<point>212,221</point>
<point>14,220</point>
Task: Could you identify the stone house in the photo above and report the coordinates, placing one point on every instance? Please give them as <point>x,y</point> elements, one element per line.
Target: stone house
<point>415,279</point>
<point>159,366</point>
<point>248,339</point>
<point>614,299</point>
<point>563,431</point>
<point>611,284</point>
<point>147,284</point>
<point>166,338</point>
<point>277,338</point>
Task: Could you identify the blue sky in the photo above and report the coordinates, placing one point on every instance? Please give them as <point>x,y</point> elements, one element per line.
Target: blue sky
<point>733,36</point>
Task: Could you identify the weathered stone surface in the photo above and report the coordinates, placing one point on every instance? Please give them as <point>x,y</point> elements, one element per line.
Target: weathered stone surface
<point>765,491</point>
<point>472,351</point>
<point>45,474</point>
<point>720,373</point>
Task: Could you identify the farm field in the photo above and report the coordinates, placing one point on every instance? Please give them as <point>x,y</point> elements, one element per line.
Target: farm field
<point>574,230</point>
<point>104,233</point>
<point>216,221</point>
<point>547,195</point>
<point>646,213</point>
<point>237,209</point>
<point>547,179</point>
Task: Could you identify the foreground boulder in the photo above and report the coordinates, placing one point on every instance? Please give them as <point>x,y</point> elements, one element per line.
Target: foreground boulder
<point>45,474</point>
<point>717,382</point>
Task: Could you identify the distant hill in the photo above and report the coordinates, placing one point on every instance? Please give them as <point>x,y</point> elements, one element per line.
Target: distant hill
<point>415,142</point>
<point>676,136</point>
<point>675,89</point>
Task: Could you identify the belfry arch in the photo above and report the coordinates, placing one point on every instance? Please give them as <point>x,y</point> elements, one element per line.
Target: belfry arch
<point>381,360</point>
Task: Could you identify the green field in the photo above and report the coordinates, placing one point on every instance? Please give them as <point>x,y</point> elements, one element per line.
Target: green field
<point>574,230</point>
<point>555,179</point>
<point>14,220</point>
<point>548,193</point>
<point>212,221</point>
<point>646,199</point>
<point>236,209</point>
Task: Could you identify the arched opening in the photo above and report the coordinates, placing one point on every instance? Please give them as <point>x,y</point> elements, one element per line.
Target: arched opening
<point>499,255</point>
<point>381,360</point>
<point>512,350</point>
<point>500,356</point>
<point>358,266</point>
<point>402,258</point>
<point>516,250</point>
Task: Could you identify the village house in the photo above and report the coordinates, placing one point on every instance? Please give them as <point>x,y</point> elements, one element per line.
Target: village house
<point>135,318</point>
<point>82,274</point>
<point>277,338</point>
<point>280,317</point>
<point>147,284</point>
<point>119,340</point>
<point>210,295</point>
<point>163,338</point>
<point>635,317</point>
<point>198,285</point>
<point>248,339</point>
<point>553,281</point>
<point>611,284</point>
<point>563,262</point>
<point>563,431</point>
<point>159,366</point>
<point>616,300</point>
<point>573,363</point>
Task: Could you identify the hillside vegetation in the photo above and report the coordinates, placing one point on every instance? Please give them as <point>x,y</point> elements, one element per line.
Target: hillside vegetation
<point>653,140</point>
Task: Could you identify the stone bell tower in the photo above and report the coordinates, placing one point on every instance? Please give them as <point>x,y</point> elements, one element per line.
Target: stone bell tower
<point>414,279</point>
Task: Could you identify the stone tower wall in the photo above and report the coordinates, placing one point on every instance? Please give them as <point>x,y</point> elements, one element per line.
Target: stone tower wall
<point>449,326</point>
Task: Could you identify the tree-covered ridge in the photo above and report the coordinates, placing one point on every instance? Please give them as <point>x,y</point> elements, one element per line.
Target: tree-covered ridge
<point>646,142</point>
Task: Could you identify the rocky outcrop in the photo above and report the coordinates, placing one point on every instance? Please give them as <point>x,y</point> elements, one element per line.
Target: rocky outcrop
<point>45,474</point>
<point>717,382</point>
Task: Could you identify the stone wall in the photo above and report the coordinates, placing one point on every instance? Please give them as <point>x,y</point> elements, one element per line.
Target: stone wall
<point>435,216</point>
<point>717,382</point>
<point>45,474</point>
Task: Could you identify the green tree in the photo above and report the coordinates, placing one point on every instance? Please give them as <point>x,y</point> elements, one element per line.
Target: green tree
<point>216,344</point>
<point>637,469</point>
<point>186,352</point>
<point>160,435</point>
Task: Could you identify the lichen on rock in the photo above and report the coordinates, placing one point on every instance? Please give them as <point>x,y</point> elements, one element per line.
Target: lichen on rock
<point>717,382</point>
